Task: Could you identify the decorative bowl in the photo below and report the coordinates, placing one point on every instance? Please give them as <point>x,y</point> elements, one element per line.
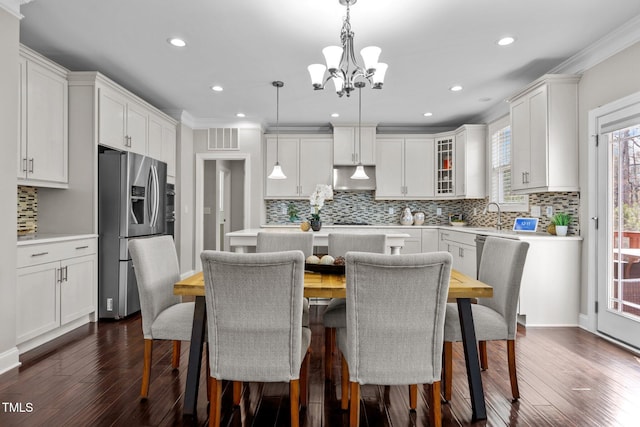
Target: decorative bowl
<point>458,223</point>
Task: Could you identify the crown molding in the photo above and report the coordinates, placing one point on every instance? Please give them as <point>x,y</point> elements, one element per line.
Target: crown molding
<point>13,6</point>
<point>621,38</point>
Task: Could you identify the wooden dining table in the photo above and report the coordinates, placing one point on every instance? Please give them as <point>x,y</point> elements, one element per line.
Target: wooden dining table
<point>462,288</point>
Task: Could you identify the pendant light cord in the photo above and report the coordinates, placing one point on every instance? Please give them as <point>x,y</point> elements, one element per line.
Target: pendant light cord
<point>277,124</point>
<point>360,125</point>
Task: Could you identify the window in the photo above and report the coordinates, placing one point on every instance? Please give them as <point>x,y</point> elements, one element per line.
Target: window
<point>500,134</point>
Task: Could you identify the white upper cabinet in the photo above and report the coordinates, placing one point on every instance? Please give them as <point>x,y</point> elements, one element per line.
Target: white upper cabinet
<point>305,160</point>
<point>346,145</point>
<point>400,167</point>
<point>162,144</point>
<point>122,122</point>
<point>460,163</point>
<point>544,135</point>
<point>43,146</point>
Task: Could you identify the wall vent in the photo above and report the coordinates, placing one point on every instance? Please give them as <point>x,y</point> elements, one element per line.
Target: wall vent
<point>223,139</point>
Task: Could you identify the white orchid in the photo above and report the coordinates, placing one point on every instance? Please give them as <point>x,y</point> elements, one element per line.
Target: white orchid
<point>317,198</point>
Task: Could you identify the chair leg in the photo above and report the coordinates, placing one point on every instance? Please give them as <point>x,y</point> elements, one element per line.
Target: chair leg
<point>435,410</point>
<point>511,356</point>
<point>344,384</point>
<point>413,396</point>
<point>175,359</point>
<point>208,372</point>
<point>304,379</point>
<point>482,352</point>
<point>216,402</point>
<point>237,392</point>
<point>146,368</point>
<point>354,411</point>
<point>447,362</point>
<point>329,345</point>
<point>294,401</point>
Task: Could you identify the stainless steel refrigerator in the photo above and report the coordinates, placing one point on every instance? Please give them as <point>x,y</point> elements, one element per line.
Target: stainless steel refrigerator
<point>131,205</point>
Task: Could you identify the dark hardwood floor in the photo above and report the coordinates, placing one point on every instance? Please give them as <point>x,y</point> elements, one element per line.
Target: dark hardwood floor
<point>91,377</point>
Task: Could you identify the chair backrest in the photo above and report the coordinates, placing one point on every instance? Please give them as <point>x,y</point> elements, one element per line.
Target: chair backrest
<point>396,308</point>
<point>341,243</point>
<point>155,263</point>
<point>254,314</point>
<point>501,267</point>
<point>277,242</point>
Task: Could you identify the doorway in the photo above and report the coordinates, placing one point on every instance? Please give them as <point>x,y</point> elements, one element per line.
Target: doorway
<point>617,161</point>
<point>222,199</point>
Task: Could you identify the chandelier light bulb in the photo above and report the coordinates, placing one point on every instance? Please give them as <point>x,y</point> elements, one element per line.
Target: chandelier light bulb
<point>378,76</point>
<point>359,173</point>
<point>339,84</point>
<point>370,55</point>
<point>277,172</point>
<point>332,55</point>
<point>316,71</point>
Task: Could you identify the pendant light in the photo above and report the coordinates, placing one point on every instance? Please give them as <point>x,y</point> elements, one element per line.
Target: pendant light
<point>277,172</point>
<point>359,173</point>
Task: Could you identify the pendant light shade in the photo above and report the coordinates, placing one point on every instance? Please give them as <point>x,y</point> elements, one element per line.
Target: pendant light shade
<point>359,173</point>
<point>277,172</point>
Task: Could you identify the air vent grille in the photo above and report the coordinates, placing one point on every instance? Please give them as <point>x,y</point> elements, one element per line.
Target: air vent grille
<point>223,139</point>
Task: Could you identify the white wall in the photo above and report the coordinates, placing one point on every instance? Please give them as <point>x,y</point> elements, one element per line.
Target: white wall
<point>612,79</point>
<point>185,201</point>
<point>9,82</point>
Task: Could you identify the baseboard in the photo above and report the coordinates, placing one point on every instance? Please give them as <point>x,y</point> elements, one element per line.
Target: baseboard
<point>583,322</point>
<point>9,360</point>
<point>53,334</point>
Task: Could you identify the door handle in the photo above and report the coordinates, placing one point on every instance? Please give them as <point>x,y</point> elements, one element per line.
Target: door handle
<point>24,164</point>
<point>39,254</point>
<point>66,271</point>
<point>31,165</point>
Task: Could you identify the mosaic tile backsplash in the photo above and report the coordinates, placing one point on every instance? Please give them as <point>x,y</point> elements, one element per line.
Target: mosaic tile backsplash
<point>361,207</point>
<point>27,210</point>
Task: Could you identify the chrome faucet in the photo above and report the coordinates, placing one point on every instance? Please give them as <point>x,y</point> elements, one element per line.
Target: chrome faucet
<point>499,223</point>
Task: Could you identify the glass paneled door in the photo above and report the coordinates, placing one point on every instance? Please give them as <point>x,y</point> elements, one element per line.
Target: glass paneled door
<point>618,233</point>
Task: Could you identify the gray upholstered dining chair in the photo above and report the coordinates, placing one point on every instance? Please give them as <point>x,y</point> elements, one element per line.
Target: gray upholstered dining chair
<point>335,315</point>
<point>164,315</point>
<point>395,324</point>
<point>494,318</point>
<point>254,318</point>
<point>288,241</point>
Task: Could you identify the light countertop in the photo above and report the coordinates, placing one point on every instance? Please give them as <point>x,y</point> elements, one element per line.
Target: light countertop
<point>37,238</point>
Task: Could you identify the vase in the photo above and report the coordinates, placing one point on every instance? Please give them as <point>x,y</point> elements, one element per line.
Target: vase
<point>316,224</point>
<point>406,218</point>
<point>561,230</point>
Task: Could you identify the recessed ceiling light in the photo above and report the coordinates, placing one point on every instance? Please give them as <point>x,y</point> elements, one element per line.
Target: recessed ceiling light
<point>177,42</point>
<point>506,41</point>
<point>428,114</point>
<point>456,88</point>
<point>217,88</point>
<point>335,115</point>
<point>241,115</point>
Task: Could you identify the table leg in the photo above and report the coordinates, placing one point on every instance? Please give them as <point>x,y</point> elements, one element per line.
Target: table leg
<point>195,358</point>
<point>479,411</point>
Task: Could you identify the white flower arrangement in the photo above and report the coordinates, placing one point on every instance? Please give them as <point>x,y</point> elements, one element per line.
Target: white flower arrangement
<point>317,198</point>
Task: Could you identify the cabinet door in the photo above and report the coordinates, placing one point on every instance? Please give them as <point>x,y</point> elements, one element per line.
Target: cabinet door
<point>288,157</point>
<point>22,111</point>
<point>430,240</point>
<point>467,260</point>
<point>344,146</point>
<point>418,175</point>
<point>169,148</point>
<point>460,167</point>
<point>37,296</point>
<point>112,111</point>
<point>390,168</point>
<point>445,166</point>
<point>47,143</point>
<point>137,119</point>
<point>367,153</point>
<point>78,288</point>
<point>538,144</point>
<point>315,164</point>
<point>520,143</point>
<point>154,146</point>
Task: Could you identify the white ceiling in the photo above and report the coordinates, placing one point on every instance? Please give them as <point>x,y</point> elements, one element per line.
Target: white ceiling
<point>243,45</point>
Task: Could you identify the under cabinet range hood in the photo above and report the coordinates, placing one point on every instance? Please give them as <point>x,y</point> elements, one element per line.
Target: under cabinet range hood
<point>342,179</point>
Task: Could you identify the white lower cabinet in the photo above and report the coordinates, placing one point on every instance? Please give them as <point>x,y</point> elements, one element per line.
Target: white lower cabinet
<point>430,240</point>
<point>462,248</point>
<point>56,286</point>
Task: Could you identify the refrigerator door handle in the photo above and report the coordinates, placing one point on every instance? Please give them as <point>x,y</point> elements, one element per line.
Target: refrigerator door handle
<point>156,196</point>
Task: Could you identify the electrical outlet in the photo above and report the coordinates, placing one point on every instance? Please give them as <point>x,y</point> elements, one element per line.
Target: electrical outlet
<point>549,211</point>
<point>109,304</point>
<point>535,211</point>
<point>392,211</point>
<point>438,211</point>
<point>283,209</point>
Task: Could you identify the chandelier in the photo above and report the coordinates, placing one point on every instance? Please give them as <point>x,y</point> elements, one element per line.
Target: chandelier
<point>342,65</point>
